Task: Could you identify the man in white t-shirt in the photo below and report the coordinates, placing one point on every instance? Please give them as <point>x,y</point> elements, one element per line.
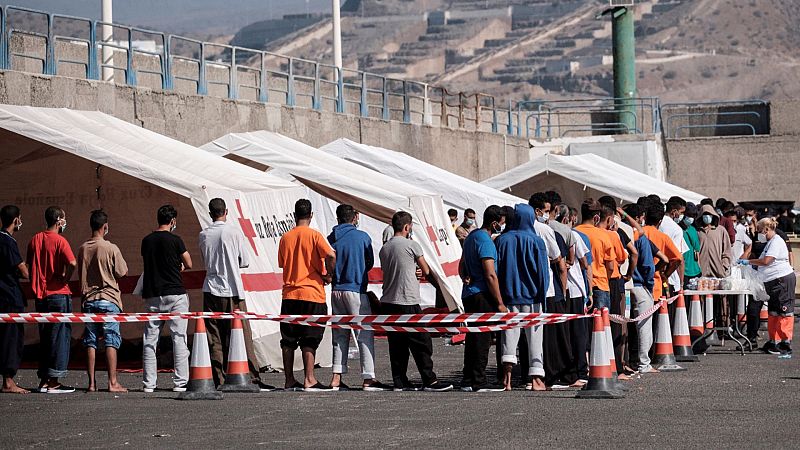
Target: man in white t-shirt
<point>676,206</point>
<point>742,243</point>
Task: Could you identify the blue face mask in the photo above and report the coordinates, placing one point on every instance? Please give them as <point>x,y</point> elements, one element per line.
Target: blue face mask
<point>469,222</point>
<point>688,220</point>
<point>707,219</point>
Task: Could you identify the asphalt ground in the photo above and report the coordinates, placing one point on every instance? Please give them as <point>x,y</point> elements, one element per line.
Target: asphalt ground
<point>725,400</point>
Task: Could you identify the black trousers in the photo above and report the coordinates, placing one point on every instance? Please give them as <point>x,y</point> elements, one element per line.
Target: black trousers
<point>12,342</point>
<point>477,345</point>
<point>219,335</point>
<point>559,363</point>
<point>619,333</point>
<point>400,344</point>
<point>579,337</point>
<point>753,317</point>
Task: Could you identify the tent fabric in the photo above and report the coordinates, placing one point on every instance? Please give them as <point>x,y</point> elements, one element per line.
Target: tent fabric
<point>457,192</point>
<point>593,172</point>
<point>372,193</point>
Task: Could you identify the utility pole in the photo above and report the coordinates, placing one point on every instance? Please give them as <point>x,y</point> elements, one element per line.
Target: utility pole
<point>107,37</point>
<point>337,34</point>
<point>624,51</point>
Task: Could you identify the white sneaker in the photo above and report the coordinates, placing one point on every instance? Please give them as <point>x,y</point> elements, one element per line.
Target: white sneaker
<point>179,389</point>
<point>148,390</point>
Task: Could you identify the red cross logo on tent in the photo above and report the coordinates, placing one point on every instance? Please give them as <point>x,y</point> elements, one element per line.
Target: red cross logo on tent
<point>247,227</point>
<point>433,238</point>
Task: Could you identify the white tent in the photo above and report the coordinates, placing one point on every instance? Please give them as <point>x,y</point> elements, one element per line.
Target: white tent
<point>84,160</point>
<point>579,176</point>
<point>457,192</point>
<point>374,194</point>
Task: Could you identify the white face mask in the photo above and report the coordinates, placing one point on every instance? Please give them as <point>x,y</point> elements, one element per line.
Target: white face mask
<point>63,226</point>
<point>542,218</point>
<point>748,219</point>
<point>19,225</point>
<point>761,237</point>
<point>680,217</point>
<point>105,233</point>
<point>173,227</point>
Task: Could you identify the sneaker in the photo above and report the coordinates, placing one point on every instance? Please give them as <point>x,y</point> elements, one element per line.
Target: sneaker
<point>784,348</point>
<point>179,389</point>
<point>438,386</point>
<point>340,387</point>
<point>60,389</point>
<point>377,387</point>
<point>148,390</point>
<point>770,348</point>
<point>558,386</point>
<point>319,387</point>
<point>489,387</point>
<point>406,387</point>
<point>264,387</point>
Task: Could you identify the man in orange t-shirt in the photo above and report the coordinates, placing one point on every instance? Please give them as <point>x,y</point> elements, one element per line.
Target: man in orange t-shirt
<point>300,254</point>
<point>595,225</point>
<point>654,213</point>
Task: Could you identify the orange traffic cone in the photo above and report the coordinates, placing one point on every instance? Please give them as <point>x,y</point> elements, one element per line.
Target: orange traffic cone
<point>712,339</point>
<point>201,383</point>
<point>601,383</point>
<point>610,349</point>
<point>696,318</point>
<point>763,317</point>
<point>681,341</point>
<point>664,359</point>
<point>237,375</point>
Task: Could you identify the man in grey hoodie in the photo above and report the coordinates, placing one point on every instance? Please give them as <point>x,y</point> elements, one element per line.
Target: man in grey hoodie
<point>354,259</point>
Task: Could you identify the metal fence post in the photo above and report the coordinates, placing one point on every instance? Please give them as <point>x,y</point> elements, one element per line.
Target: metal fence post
<point>232,78</point>
<point>510,126</point>
<point>316,102</point>
<point>340,104</point>
<point>519,124</point>
<point>50,57</point>
<point>494,116</point>
<point>427,116</point>
<point>406,103</point>
<point>130,74</point>
<point>385,99</point>
<point>445,119</point>
<point>263,91</point>
<point>477,113</point>
<point>364,98</point>
<point>3,40</point>
<point>290,84</point>
<point>202,83</point>
<point>92,68</point>
<point>166,65</point>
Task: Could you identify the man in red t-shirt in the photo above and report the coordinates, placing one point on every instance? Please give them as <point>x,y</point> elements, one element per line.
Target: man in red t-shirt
<point>51,265</point>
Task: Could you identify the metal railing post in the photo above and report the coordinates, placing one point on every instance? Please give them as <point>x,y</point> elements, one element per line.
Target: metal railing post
<point>519,123</point>
<point>445,121</point>
<point>263,91</point>
<point>92,68</point>
<point>316,102</point>
<point>510,125</point>
<point>290,84</point>
<point>385,99</point>
<point>167,81</point>
<point>50,58</point>
<point>406,103</point>
<point>202,83</point>
<point>232,78</point>
<point>461,97</point>
<point>538,133</point>
<point>427,115</point>
<point>364,98</point>
<point>130,74</point>
<point>477,113</point>
<point>494,116</point>
<point>3,40</point>
<point>340,104</point>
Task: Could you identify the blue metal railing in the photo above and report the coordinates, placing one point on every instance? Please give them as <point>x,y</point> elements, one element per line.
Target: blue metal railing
<point>730,118</point>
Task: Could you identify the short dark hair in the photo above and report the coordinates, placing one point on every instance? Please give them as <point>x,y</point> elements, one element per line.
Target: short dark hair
<point>633,210</point>
<point>216,208</point>
<point>653,214</point>
<point>52,214</point>
<point>562,211</point>
<point>469,211</point>
<point>720,202</point>
<point>345,213</point>
<point>302,209</point>
<point>729,213</point>
<point>538,200</point>
<point>606,212</point>
<point>399,220</point>
<point>707,201</point>
<point>675,203</point>
<point>740,213</point>
<point>452,212</point>
<point>728,205</point>
<point>553,197</point>
<point>608,201</point>
<point>510,214</point>
<point>691,210</point>
<point>493,213</point>
<point>7,215</point>
<point>97,219</point>
<point>165,214</point>
<point>642,201</point>
<point>589,208</point>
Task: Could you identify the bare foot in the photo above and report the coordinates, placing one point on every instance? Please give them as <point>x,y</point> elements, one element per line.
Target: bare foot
<point>92,388</point>
<point>578,384</point>
<point>14,389</point>
<point>538,384</point>
<point>623,377</point>
<point>116,388</point>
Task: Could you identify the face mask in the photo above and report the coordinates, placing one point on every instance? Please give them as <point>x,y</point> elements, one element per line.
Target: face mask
<point>748,219</point>
<point>453,221</point>
<point>105,233</point>
<point>497,229</point>
<point>762,238</point>
<point>707,219</point>
<point>641,223</point>
<point>173,227</point>
<point>541,218</point>
<point>719,211</point>
<point>469,222</point>
<point>503,228</point>
<point>688,220</point>
<point>19,226</point>
<point>680,217</point>
<point>62,227</point>
<point>355,224</point>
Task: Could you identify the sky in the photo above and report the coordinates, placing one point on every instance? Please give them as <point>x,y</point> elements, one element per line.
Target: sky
<point>182,16</point>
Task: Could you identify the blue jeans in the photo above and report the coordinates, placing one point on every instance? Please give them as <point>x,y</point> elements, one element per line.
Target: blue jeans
<point>54,339</point>
<point>601,299</point>
<point>109,331</point>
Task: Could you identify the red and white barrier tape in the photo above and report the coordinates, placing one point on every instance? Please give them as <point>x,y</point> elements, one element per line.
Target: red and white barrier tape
<point>616,318</point>
<point>449,323</point>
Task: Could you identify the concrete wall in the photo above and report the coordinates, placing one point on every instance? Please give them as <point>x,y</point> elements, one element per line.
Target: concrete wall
<point>197,120</point>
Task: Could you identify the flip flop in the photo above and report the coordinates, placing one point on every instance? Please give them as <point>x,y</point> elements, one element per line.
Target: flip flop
<point>319,387</point>
<point>296,387</point>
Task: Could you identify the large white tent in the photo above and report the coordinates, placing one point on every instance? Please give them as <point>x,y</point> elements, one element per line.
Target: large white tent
<point>579,176</point>
<point>457,192</point>
<point>372,193</point>
<point>84,160</point>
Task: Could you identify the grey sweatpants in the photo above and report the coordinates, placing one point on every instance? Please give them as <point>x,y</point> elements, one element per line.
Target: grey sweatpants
<point>534,335</point>
<point>177,330</point>
<point>643,300</point>
<point>346,302</point>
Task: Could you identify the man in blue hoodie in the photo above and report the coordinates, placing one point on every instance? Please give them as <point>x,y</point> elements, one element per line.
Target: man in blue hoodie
<point>481,294</point>
<point>524,279</point>
<point>354,259</point>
